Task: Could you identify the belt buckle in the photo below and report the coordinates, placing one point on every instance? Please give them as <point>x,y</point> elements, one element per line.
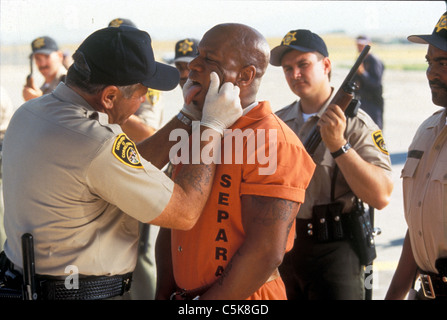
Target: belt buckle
<point>427,286</point>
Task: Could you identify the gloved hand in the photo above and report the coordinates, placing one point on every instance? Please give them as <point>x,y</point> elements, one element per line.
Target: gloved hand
<point>189,108</point>
<point>222,107</point>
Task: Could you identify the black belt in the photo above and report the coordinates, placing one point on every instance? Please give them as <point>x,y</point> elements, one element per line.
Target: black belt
<point>90,287</point>
<point>433,285</point>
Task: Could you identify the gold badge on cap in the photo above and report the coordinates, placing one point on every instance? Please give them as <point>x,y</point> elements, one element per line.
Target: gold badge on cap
<point>442,23</point>
<point>125,151</point>
<point>289,38</point>
<point>116,23</point>
<point>38,43</point>
<point>379,141</point>
<point>185,46</point>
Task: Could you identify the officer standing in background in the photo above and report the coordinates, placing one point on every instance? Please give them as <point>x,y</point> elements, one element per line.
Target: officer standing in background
<point>75,181</point>
<point>49,61</point>
<point>351,161</point>
<point>424,177</point>
<point>185,52</point>
<point>369,80</point>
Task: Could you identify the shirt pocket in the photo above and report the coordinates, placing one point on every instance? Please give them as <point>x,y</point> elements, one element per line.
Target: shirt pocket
<point>408,175</point>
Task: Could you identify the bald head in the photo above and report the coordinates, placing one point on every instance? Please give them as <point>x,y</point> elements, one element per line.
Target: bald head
<point>247,43</point>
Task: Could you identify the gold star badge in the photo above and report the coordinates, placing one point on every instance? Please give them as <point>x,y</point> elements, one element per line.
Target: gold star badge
<point>288,38</point>
<point>38,43</point>
<point>185,46</point>
<point>116,22</point>
<point>442,23</point>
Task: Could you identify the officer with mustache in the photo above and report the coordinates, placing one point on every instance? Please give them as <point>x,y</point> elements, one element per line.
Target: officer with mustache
<point>49,60</point>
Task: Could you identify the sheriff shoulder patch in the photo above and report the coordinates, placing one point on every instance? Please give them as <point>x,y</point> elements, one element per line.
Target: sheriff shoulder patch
<point>379,141</point>
<point>125,151</point>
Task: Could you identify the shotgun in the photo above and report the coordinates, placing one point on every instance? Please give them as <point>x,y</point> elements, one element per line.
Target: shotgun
<point>342,98</point>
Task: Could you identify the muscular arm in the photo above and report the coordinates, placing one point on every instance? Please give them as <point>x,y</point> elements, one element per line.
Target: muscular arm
<point>136,129</point>
<point>369,182</point>
<point>267,222</point>
<point>405,273</point>
<point>155,149</point>
<point>191,191</point>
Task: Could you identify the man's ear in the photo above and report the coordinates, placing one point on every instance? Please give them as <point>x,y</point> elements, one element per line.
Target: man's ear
<point>108,96</point>
<point>327,65</point>
<point>246,76</point>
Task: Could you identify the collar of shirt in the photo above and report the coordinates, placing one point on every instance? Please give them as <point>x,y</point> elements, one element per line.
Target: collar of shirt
<point>68,95</point>
<point>248,109</point>
<point>257,112</point>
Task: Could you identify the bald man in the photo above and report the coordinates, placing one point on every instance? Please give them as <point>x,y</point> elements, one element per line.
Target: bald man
<point>235,248</point>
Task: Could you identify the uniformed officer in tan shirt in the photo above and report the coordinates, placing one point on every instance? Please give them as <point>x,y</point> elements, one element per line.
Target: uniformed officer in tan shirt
<point>330,270</point>
<point>424,179</point>
<point>80,186</point>
<point>49,60</point>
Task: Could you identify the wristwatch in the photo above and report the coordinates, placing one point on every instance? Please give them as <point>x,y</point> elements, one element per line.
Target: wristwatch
<point>341,151</point>
<point>184,119</point>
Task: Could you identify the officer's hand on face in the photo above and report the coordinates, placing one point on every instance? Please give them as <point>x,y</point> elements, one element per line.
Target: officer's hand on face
<point>189,108</point>
<point>332,127</point>
<point>222,106</point>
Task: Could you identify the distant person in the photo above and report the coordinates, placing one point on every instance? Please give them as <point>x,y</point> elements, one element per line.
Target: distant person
<point>424,178</point>
<point>369,79</point>
<point>49,61</point>
<point>185,52</point>
<point>6,112</point>
<point>68,59</point>
<point>351,162</point>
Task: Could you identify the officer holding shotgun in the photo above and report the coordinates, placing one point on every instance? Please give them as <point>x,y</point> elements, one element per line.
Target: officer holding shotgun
<point>352,162</point>
<point>49,61</point>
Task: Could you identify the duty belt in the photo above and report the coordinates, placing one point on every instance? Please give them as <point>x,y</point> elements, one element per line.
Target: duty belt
<point>90,287</point>
<point>433,285</point>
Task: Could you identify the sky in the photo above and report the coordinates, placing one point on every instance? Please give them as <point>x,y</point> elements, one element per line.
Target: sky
<point>71,21</point>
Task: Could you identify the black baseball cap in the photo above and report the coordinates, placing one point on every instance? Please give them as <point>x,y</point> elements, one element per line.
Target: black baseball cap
<point>123,56</point>
<point>186,50</point>
<point>302,40</point>
<point>44,45</point>
<point>438,38</point>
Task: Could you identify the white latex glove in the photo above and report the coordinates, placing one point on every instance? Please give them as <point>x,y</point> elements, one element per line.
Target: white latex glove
<point>222,107</point>
<point>190,109</point>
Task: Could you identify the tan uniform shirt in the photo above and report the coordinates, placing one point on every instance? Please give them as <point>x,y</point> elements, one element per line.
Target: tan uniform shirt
<point>425,191</point>
<point>78,185</point>
<point>60,77</point>
<point>151,110</point>
<point>364,136</point>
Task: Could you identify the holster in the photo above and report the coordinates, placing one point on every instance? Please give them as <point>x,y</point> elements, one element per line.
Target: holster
<point>10,280</point>
<point>330,224</point>
<point>359,222</point>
